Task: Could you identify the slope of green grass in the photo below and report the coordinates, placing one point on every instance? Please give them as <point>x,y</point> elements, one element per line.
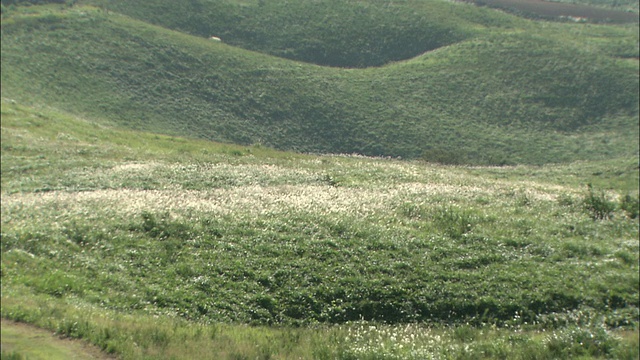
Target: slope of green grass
<point>113,235</point>
<point>333,33</point>
<point>540,93</point>
<point>162,247</point>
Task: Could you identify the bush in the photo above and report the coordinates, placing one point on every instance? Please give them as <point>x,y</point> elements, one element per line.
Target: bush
<point>597,205</point>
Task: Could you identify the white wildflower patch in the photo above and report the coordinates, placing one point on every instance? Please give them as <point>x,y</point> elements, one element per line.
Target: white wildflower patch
<point>250,200</point>
<point>245,200</point>
<point>135,167</point>
<point>409,341</point>
<point>341,187</point>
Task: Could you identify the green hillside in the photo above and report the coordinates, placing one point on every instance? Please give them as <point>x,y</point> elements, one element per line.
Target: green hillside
<point>330,32</point>
<point>333,33</point>
<point>169,196</point>
<point>159,247</point>
<point>491,88</point>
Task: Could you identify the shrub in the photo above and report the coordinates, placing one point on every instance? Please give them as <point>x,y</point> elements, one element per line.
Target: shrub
<point>597,205</point>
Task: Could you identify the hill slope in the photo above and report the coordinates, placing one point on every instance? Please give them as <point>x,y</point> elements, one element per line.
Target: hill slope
<point>333,33</point>
<point>149,237</point>
<point>330,32</point>
<point>530,93</point>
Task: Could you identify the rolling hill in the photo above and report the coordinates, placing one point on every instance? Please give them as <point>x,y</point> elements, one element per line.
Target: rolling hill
<point>447,82</point>
<point>110,235</point>
<point>148,208</point>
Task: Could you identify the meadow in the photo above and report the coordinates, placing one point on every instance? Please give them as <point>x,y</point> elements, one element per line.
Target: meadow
<point>333,180</point>
<point>152,246</point>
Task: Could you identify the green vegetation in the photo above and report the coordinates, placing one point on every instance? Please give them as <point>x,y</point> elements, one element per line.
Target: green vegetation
<point>23,342</point>
<point>497,90</point>
<point>110,235</point>
<point>146,210</point>
<point>332,32</point>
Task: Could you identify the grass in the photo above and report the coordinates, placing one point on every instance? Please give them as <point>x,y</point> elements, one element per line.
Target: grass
<point>361,34</point>
<point>124,225</point>
<point>500,90</point>
<point>21,342</point>
<point>110,235</point>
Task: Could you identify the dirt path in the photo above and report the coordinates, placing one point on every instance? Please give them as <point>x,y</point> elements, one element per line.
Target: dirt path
<point>554,9</point>
<point>34,343</point>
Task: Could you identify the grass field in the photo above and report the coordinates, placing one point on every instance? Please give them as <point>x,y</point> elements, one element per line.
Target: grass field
<point>110,235</point>
<point>458,182</point>
<point>21,341</point>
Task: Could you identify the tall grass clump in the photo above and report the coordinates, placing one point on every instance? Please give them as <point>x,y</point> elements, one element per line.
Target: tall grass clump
<point>454,221</point>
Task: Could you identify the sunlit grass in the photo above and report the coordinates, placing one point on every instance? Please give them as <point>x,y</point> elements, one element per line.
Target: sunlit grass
<point>160,247</point>
<point>499,90</point>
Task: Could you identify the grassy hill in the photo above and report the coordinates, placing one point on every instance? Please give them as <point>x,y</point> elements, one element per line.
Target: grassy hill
<point>145,208</point>
<point>332,33</point>
<point>461,84</point>
<point>111,235</point>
